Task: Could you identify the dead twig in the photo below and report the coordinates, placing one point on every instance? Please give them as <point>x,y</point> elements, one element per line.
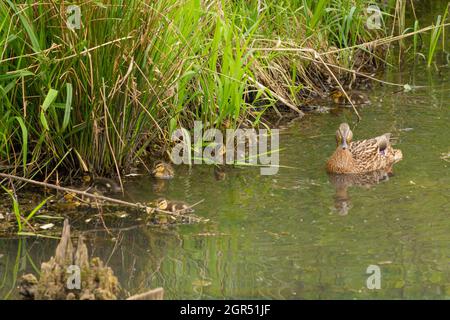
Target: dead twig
<point>146,208</point>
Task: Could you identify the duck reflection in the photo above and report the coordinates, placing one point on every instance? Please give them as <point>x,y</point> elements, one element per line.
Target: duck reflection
<point>160,186</point>
<point>341,182</point>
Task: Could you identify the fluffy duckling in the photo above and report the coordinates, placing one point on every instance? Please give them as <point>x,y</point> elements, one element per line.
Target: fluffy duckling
<point>178,207</point>
<point>101,185</point>
<point>163,170</point>
<point>106,185</point>
<point>356,98</point>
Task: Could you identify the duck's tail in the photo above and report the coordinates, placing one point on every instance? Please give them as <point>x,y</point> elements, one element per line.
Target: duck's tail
<point>398,155</point>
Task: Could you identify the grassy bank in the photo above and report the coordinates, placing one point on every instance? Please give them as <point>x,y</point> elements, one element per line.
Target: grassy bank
<point>108,94</point>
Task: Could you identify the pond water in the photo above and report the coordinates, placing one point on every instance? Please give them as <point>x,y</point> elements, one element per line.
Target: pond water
<point>289,236</point>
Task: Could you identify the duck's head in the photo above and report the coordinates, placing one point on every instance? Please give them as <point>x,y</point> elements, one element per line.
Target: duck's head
<point>344,136</point>
<point>159,168</point>
<point>163,170</point>
<point>161,203</point>
<point>337,96</point>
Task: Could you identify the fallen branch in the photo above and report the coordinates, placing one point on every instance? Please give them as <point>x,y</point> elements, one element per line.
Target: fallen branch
<point>83,193</point>
<point>147,209</point>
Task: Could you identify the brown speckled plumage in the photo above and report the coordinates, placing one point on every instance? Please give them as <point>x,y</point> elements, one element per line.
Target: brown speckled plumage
<point>361,156</point>
<point>163,170</point>
<point>357,98</point>
<point>178,207</point>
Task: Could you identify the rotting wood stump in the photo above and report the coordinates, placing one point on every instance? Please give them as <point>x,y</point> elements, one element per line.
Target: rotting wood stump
<point>58,276</point>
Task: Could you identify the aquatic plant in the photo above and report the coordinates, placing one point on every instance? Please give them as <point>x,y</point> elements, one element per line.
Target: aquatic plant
<point>20,218</point>
<point>435,36</point>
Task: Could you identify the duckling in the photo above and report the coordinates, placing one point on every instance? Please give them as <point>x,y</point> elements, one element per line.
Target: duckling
<point>178,207</point>
<point>356,98</point>
<point>105,185</point>
<point>361,156</point>
<point>163,170</point>
<point>220,173</point>
<point>100,184</point>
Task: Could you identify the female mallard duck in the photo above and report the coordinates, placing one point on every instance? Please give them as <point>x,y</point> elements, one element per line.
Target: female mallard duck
<point>356,98</point>
<point>361,156</point>
<point>163,170</point>
<point>178,207</point>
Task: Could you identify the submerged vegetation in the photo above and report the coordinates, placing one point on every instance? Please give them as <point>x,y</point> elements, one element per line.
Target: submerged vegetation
<point>106,94</point>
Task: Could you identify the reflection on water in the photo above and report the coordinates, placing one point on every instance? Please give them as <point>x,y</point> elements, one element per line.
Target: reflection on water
<point>342,182</point>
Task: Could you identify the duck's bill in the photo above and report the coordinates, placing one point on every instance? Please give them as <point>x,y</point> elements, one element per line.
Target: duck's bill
<point>344,145</point>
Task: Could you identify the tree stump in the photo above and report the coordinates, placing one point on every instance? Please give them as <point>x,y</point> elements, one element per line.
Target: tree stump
<point>69,275</point>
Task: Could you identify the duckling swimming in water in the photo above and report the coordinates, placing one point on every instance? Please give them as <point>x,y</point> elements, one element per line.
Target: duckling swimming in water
<point>163,170</point>
<point>105,185</point>
<point>356,98</point>
<point>178,207</point>
<point>361,156</point>
<point>101,184</point>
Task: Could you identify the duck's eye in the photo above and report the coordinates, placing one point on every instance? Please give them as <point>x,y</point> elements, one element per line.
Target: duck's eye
<point>339,137</point>
<point>349,137</point>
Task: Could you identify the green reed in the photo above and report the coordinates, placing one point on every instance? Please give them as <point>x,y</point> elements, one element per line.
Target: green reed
<point>435,36</point>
